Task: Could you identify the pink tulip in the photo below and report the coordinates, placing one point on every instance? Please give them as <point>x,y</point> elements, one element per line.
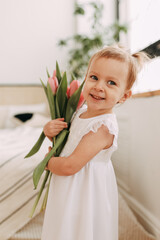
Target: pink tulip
<point>68,90</point>
<point>53,82</point>
<point>54,73</point>
<point>72,88</point>
<point>81,100</point>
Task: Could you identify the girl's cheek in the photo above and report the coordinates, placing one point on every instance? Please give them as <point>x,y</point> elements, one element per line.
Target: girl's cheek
<point>85,90</point>
<point>84,94</point>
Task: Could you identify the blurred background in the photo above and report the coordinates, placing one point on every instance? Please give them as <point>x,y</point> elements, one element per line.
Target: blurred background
<point>34,34</point>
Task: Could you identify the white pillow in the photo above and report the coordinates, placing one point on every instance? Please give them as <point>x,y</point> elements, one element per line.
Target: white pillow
<point>17,109</point>
<point>38,120</point>
<point>3,115</point>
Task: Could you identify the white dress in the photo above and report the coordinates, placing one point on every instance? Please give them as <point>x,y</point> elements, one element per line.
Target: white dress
<point>84,206</point>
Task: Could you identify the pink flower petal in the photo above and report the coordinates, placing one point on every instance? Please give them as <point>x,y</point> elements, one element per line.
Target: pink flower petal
<point>73,87</point>
<point>53,82</point>
<point>81,100</point>
<point>54,73</point>
<point>68,90</point>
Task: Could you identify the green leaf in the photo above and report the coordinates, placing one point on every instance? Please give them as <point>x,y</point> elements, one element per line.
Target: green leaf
<point>62,42</point>
<point>58,73</point>
<point>41,166</point>
<point>72,103</point>
<point>44,87</point>
<point>65,105</point>
<point>51,101</point>
<point>44,203</point>
<point>61,94</point>
<point>58,115</point>
<point>59,149</point>
<point>40,193</point>
<point>72,77</point>
<point>79,10</point>
<point>37,145</point>
<point>48,73</point>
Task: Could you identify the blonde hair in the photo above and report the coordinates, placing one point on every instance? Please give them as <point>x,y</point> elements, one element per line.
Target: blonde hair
<point>134,61</point>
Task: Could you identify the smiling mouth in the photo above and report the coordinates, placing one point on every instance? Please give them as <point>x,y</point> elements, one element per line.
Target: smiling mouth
<point>96,97</point>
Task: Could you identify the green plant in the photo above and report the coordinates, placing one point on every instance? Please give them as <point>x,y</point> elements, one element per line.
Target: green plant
<point>82,46</point>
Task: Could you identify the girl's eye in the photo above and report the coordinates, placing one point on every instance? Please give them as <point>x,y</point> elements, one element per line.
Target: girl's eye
<point>110,82</point>
<point>94,77</point>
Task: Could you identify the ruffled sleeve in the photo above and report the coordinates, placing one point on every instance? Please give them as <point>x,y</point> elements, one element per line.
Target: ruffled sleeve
<point>109,121</point>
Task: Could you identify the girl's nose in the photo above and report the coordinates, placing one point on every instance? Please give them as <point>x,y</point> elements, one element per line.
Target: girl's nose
<point>99,86</point>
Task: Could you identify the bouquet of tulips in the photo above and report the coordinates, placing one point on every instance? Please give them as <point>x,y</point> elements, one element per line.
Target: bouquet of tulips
<point>63,101</point>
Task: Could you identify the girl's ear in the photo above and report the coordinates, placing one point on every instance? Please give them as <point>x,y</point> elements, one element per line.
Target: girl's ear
<point>126,95</point>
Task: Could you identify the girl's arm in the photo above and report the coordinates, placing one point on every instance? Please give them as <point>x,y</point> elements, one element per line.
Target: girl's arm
<point>89,146</point>
<point>54,127</point>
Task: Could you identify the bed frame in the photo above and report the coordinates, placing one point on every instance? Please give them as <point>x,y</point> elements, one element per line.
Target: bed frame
<point>32,94</point>
<point>21,94</point>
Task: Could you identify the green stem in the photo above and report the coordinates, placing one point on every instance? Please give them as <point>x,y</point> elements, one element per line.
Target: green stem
<point>54,141</point>
<point>39,194</point>
<point>46,194</point>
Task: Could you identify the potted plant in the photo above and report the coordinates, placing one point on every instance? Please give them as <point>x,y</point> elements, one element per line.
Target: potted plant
<point>84,45</point>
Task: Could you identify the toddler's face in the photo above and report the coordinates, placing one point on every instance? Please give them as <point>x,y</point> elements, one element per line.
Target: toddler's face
<point>105,84</point>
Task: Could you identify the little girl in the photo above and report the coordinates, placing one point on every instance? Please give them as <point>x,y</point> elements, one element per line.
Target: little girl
<point>83,201</point>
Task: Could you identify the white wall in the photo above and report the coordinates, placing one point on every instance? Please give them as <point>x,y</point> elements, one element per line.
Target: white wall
<point>83,22</point>
<point>143,20</point>
<point>149,78</point>
<point>137,160</point>
<point>29,32</point>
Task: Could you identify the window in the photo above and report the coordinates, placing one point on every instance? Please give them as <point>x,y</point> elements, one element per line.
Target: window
<point>143,19</point>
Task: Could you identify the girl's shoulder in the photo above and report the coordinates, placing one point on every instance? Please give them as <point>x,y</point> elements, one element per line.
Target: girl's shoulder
<point>94,123</point>
<point>78,112</point>
<point>82,126</point>
<point>108,120</point>
<point>82,109</point>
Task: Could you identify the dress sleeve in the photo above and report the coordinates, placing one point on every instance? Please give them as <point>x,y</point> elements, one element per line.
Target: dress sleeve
<point>110,122</point>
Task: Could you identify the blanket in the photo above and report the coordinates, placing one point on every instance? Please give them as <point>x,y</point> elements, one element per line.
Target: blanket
<point>16,186</point>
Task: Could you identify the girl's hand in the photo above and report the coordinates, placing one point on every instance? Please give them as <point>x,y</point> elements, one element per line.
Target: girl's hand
<point>54,127</point>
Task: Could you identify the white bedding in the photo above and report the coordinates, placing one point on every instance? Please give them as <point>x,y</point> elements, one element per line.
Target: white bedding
<point>16,187</point>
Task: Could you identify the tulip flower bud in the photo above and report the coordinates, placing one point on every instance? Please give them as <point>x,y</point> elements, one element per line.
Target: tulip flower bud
<point>73,87</point>
<point>54,74</point>
<point>53,82</point>
<point>68,90</point>
<point>81,100</point>
<point>75,84</point>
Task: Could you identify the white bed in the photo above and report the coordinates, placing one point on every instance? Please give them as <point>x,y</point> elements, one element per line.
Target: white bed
<point>16,187</point>
<point>16,139</point>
